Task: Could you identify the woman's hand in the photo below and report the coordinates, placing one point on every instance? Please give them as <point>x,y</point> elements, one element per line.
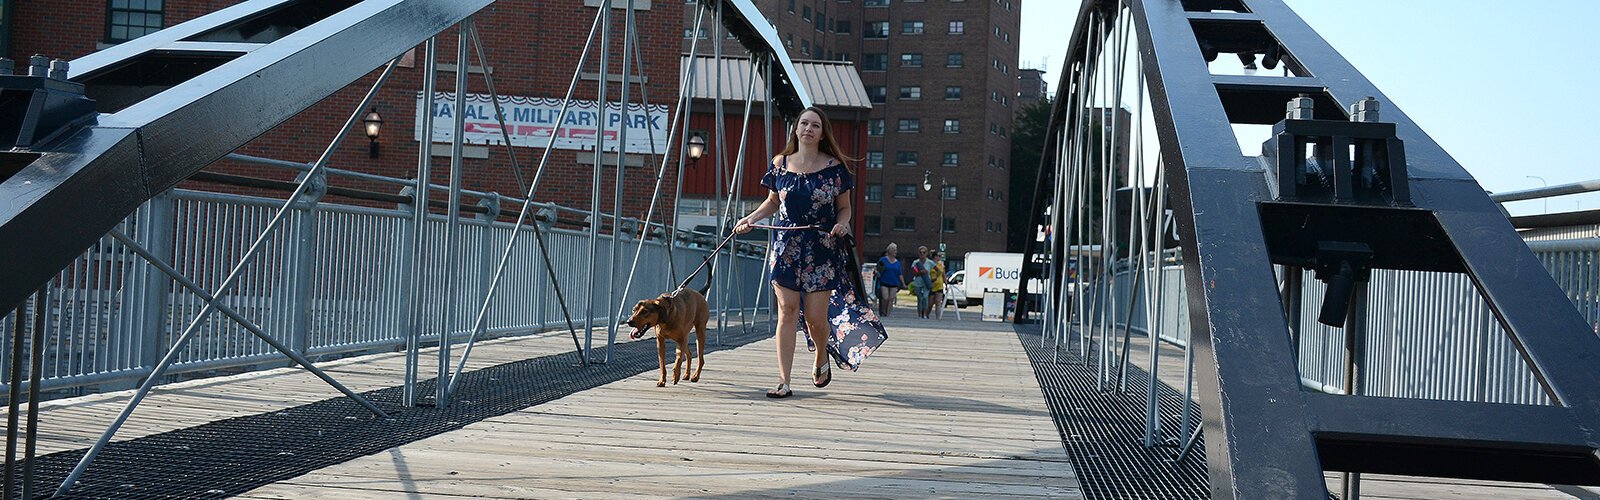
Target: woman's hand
<point>840,230</point>
<point>741,227</point>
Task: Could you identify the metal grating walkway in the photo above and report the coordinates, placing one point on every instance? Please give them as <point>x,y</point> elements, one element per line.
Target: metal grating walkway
<point>1103,432</point>
<point>233,456</point>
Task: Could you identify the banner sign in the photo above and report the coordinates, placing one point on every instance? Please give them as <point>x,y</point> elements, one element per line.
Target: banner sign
<point>530,121</point>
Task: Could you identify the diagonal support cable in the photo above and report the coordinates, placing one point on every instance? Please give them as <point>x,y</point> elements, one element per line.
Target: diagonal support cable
<point>233,314</point>
<point>661,172</point>
<point>522,216</point>
<point>227,284</point>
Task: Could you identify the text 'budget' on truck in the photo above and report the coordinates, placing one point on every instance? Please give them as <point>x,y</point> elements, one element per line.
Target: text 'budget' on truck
<point>993,271</point>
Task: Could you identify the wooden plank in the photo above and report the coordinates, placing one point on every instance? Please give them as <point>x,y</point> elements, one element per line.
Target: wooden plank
<point>941,412</point>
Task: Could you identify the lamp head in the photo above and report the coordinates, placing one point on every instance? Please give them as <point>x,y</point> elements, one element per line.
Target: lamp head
<point>373,124</point>
<point>697,147</point>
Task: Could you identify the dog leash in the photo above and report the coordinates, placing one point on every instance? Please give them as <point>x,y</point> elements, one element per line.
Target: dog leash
<point>729,238</point>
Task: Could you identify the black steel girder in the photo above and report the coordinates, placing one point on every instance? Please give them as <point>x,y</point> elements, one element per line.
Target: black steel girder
<point>1266,437</point>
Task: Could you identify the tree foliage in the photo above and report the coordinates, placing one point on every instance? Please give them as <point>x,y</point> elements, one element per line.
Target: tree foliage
<point>1027,147</point>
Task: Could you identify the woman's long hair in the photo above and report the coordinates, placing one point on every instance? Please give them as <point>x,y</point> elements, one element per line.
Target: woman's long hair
<point>827,145</point>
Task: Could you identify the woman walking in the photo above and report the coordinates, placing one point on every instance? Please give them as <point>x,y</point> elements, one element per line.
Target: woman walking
<point>889,280</point>
<point>810,186</point>
<point>936,291</point>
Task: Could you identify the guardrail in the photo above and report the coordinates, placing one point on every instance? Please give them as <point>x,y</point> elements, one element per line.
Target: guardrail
<point>328,284</point>
<point>1429,335</point>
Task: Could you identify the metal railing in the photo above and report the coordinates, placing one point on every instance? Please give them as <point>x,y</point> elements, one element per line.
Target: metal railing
<point>330,284</point>
<point>1429,335</point>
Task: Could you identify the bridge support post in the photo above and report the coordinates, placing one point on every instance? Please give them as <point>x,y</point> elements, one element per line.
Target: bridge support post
<point>156,230</point>
<point>302,236</point>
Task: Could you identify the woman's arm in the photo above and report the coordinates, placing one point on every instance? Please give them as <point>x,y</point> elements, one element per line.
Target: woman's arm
<point>767,208</point>
<point>841,223</point>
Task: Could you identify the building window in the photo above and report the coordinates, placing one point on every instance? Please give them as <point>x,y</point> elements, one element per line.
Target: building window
<point>911,93</point>
<point>789,41</point>
<point>844,27</point>
<point>905,190</point>
<point>952,93</point>
<point>877,93</point>
<point>875,127</point>
<point>876,3</point>
<point>874,159</point>
<point>958,27</point>
<point>905,223</point>
<point>805,13</point>
<point>874,225</point>
<point>877,29</point>
<point>949,224</point>
<point>805,47</point>
<point>130,19</point>
<point>993,130</point>
<point>949,192</point>
<point>875,192</point>
<point>952,126</point>
<point>791,6</point>
<point>909,126</point>
<point>994,96</point>
<point>989,194</point>
<point>905,158</point>
<point>1002,163</point>
<point>911,60</point>
<point>952,159</point>
<point>953,60</point>
<point>911,27</point>
<point>874,62</point>
<point>1002,131</point>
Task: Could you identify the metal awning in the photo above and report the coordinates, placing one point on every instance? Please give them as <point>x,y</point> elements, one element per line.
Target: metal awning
<point>832,84</point>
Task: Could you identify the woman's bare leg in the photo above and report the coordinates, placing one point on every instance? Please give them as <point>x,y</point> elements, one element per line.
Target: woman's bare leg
<point>788,315</point>
<point>818,325</point>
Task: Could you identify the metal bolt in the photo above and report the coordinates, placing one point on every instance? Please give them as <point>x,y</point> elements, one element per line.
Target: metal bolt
<point>1365,110</point>
<point>37,65</point>
<point>58,69</point>
<point>1300,108</point>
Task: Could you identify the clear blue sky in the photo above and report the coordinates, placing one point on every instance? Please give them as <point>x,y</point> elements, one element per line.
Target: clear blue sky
<point>1509,89</point>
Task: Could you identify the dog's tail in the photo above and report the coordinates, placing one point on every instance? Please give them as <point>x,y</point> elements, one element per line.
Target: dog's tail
<point>710,272</point>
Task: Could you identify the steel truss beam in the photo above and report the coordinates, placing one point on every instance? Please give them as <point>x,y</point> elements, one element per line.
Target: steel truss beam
<point>84,184</point>
<point>1266,436</point>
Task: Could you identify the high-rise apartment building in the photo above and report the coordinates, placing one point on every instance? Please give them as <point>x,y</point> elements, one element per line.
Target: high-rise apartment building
<point>942,76</point>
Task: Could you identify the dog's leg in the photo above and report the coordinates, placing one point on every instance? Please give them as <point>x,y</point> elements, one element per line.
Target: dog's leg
<point>661,357</point>
<point>699,349</point>
<point>678,359</point>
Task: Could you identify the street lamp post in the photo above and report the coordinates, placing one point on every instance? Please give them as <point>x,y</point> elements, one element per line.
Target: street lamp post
<point>1546,184</point>
<point>927,185</point>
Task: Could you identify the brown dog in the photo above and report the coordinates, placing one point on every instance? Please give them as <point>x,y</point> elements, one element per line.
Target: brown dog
<point>675,313</point>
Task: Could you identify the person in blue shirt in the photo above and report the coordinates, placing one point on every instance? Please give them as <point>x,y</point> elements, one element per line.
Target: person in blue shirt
<point>889,279</point>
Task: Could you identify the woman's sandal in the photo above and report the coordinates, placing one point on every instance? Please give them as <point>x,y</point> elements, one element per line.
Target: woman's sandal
<point>821,376</point>
<point>781,391</point>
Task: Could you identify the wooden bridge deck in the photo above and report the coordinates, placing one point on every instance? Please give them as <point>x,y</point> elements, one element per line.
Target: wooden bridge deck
<point>947,409</point>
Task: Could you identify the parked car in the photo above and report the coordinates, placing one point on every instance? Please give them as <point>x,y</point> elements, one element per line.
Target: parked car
<point>954,291</point>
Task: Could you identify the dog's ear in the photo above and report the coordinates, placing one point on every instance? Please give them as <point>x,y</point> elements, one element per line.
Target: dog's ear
<point>666,309</point>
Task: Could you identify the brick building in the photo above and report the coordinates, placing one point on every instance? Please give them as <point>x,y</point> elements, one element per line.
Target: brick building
<point>531,46</point>
<point>943,77</point>
<point>1031,87</point>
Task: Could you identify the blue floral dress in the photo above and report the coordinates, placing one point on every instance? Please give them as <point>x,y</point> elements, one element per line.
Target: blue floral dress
<point>807,260</point>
